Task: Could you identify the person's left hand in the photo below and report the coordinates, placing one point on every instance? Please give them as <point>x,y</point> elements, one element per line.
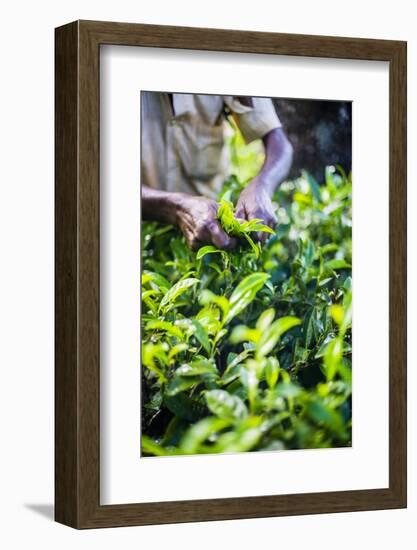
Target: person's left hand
<point>255,202</point>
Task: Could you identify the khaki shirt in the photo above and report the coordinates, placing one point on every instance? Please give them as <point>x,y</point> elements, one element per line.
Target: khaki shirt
<point>182,144</point>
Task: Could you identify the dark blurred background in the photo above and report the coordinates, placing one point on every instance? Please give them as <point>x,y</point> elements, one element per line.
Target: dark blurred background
<point>320,132</point>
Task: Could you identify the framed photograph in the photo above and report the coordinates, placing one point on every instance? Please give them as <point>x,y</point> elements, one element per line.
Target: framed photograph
<point>230,274</point>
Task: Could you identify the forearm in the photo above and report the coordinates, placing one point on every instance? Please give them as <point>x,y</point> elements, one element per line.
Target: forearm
<point>278,160</point>
<point>160,206</point>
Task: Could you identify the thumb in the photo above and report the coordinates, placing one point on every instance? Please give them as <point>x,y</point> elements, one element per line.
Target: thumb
<point>219,237</point>
<point>240,212</point>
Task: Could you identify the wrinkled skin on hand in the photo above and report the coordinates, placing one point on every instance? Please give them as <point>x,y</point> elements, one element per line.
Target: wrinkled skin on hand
<point>255,202</point>
<point>197,219</point>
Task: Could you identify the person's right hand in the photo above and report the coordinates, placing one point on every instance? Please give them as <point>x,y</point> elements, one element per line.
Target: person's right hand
<point>196,217</point>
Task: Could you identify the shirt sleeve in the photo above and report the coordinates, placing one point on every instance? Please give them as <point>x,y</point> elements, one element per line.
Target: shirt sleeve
<point>254,121</point>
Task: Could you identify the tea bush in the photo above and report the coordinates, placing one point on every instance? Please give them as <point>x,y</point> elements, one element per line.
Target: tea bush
<point>250,350</point>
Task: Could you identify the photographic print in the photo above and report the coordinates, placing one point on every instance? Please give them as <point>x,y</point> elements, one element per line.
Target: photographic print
<point>246,274</point>
<point>204,274</point>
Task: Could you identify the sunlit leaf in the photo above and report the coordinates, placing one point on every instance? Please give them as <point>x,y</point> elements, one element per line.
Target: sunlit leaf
<point>196,368</point>
<point>337,313</point>
<point>272,371</point>
<point>166,327</point>
<point>225,405</point>
<point>175,350</point>
<point>332,357</point>
<point>198,433</point>
<point>175,292</point>
<point>208,297</point>
<point>337,264</point>
<point>181,383</point>
<point>265,319</point>
<point>242,333</point>
<point>288,390</point>
<point>209,249</point>
<point>238,442</point>
<point>201,335</point>
<point>159,280</point>
<point>244,293</point>
<point>150,447</point>
<point>271,336</point>
<point>233,366</point>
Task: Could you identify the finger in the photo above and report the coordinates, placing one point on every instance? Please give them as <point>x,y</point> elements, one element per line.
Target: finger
<point>219,238</point>
<point>259,214</point>
<point>195,245</point>
<point>193,242</point>
<point>272,221</point>
<point>266,219</point>
<point>240,212</point>
<point>262,236</point>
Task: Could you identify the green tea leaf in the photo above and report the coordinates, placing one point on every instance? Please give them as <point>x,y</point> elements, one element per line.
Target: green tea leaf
<point>337,264</point>
<point>225,405</point>
<point>150,447</point>
<point>255,224</point>
<point>156,278</point>
<point>225,214</point>
<point>175,292</point>
<point>242,333</point>
<point>271,336</point>
<point>254,247</point>
<point>209,249</point>
<point>272,372</point>
<point>175,350</point>
<point>208,297</point>
<point>332,357</point>
<point>166,327</point>
<point>265,319</point>
<point>233,366</point>
<point>241,441</point>
<point>196,368</point>
<point>201,335</point>
<point>183,407</point>
<point>198,433</point>
<point>245,292</point>
<point>309,328</point>
<point>337,313</point>
<point>288,390</point>
<point>181,383</point>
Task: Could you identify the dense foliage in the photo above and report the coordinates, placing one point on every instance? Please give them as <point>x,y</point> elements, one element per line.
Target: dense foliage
<point>250,350</point>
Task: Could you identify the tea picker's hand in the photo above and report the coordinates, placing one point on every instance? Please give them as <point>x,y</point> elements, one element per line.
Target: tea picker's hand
<point>197,219</point>
<point>195,216</point>
<point>255,202</point>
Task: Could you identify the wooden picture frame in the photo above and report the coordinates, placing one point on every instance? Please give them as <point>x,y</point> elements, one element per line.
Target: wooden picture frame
<point>77,376</point>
